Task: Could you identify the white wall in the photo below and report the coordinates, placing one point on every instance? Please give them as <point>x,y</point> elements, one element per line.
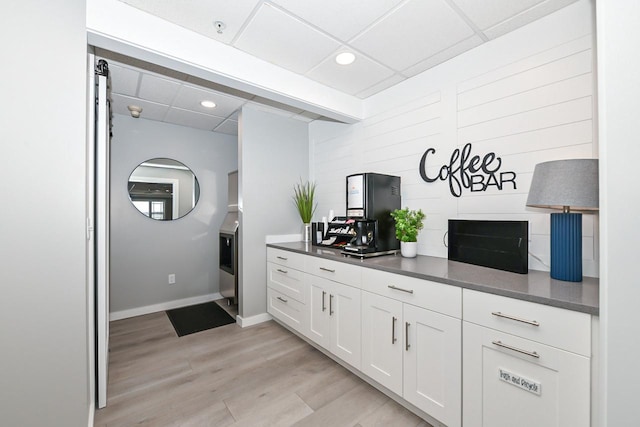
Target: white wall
<point>619,104</point>
<point>527,96</point>
<point>274,155</point>
<point>43,307</point>
<point>145,251</point>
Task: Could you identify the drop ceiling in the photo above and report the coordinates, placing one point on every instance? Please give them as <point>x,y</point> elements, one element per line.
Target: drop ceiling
<point>392,40</point>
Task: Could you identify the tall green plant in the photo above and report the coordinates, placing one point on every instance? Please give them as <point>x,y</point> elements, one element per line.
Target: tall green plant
<point>408,224</point>
<point>303,199</point>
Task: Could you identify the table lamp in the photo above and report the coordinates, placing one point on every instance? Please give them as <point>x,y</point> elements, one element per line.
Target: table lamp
<point>568,185</point>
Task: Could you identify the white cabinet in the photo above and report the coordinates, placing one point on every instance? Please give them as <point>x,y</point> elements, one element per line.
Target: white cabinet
<point>432,363</point>
<point>334,318</point>
<point>382,340</point>
<point>412,351</point>
<point>286,289</point>
<point>523,364</point>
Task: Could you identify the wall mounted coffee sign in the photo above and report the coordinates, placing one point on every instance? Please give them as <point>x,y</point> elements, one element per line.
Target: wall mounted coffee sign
<point>475,173</point>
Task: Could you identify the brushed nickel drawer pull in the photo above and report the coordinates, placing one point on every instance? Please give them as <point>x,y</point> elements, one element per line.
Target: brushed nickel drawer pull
<point>406,336</point>
<point>324,307</point>
<point>327,269</point>
<point>282,258</point>
<point>517,319</point>
<point>282,299</point>
<point>393,330</point>
<point>330,304</point>
<point>395,288</point>
<point>282,271</point>
<point>508,347</point>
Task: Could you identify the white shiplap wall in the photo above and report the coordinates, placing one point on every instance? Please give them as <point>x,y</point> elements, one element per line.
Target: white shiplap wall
<point>532,103</point>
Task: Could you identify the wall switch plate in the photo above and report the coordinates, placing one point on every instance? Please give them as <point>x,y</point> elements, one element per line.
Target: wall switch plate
<point>172,279</point>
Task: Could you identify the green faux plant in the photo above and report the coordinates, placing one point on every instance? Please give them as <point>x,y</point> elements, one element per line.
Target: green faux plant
<point>408,224</point>
<point>303,199</point>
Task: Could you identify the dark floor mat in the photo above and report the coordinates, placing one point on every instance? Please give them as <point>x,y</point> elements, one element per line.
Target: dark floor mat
<point>200,317</point>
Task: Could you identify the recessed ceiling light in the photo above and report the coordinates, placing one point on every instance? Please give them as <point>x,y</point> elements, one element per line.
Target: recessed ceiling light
<point>208,104</point>
<point>345,58</point>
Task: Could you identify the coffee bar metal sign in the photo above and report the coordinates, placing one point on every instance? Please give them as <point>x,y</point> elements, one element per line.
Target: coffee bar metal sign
<point>475,173</point>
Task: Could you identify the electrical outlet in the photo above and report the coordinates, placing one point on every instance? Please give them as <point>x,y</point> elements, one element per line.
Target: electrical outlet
<point>172,279</point>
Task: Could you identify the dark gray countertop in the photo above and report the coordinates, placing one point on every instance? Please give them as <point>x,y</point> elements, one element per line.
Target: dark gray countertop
<point>537,286</point>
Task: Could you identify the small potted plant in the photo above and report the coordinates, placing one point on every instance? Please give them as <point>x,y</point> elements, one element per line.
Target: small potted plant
<point>303,199</point>
<point>408,225</point>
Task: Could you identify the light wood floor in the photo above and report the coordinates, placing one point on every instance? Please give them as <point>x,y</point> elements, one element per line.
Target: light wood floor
<point>230,376</point>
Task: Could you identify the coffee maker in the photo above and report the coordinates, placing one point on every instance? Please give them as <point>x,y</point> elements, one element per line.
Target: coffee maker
<point>371,197</point>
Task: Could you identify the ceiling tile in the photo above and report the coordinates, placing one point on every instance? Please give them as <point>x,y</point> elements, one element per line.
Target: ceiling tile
<point>445,55</point>
<point>192,119</point>
<point>526,17</point>
<point>230,127</point>
<point>158,89</point>
<point>124,80</point>
<point>199,15</point>
<point>385,84</point>
<point>342,19</point>
<point>351,79</point>
<point>189,98</point>
<point>487,13</point>
<point>150,110</point>
<point>284,40</point>
<point>412,33</point>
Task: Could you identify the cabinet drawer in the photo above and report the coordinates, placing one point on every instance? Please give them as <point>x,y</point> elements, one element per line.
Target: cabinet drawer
<point>565,329</point>
<point>286,280</point>
<point>509,381</point>
<point>287,310</point>
<point>438,297</point>
<point>336,271</point>
<point>286,258</point>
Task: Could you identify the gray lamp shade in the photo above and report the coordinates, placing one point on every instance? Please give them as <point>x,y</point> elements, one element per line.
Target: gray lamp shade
<point>560,183</point>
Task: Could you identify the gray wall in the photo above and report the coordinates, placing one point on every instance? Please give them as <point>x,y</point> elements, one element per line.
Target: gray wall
<point>274,155</point>
<point>43,307</point>
<point>144,251</point>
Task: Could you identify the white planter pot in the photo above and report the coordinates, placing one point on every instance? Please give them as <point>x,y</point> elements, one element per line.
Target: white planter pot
<point>409,249</point>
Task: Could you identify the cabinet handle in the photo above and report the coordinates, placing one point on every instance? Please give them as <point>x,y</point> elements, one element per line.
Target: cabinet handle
<point>406,336</point>
<point>508,347</point>
<point>395,288</point>
<point>282,299</point>
<point>282,258</point>
<point>282,271</point>
<point>330,304</point>
<point>327,269</point>
<point>324,308</point>
<point>517,319</point>
<point>393,330</point>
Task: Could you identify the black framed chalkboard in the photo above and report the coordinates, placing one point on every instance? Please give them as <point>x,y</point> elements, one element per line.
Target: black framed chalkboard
<point>503,245</point>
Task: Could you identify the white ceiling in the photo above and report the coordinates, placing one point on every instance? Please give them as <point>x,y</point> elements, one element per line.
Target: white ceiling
<point>392,39</point>
<point>172,97</point>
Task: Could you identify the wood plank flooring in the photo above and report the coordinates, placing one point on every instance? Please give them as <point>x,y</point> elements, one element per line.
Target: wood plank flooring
<point>261,375</point>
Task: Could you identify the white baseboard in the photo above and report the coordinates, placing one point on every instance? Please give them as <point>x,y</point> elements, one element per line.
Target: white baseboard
<point>139,311</point>
<point>243,322</point>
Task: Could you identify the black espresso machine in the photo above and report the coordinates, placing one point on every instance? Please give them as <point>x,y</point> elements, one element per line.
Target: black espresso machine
<point>371,197</point>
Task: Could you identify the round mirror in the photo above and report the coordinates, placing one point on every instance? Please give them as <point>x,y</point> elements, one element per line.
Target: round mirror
<point>163,189</point>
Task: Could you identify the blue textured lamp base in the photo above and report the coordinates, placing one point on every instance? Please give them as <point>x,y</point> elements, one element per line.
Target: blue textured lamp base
<point>566,246</point>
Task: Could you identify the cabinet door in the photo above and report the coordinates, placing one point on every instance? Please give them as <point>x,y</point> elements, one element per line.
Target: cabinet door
<point>432,363</point>
<point>382,343</point>
<point>344,309</point>
<point>528,384</point>
<point>319,320</point>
